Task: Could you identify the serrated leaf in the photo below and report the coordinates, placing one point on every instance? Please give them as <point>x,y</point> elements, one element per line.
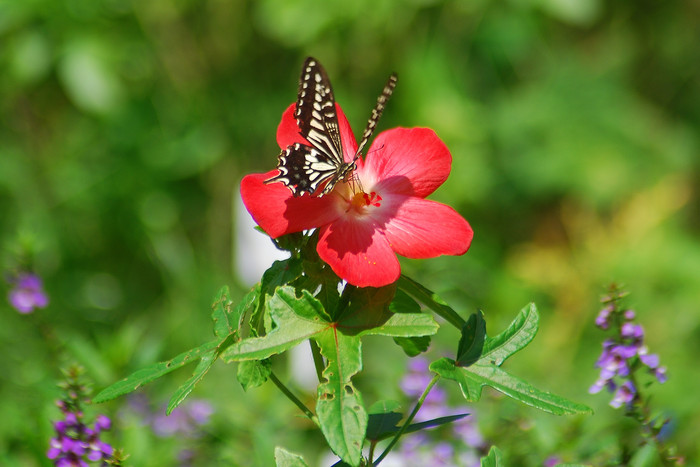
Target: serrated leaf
<point>431,300</point>
<point>279,274</point>
<point>227,319</point>
<point>413,346</point>
<point>473,378</point>
<point>152,372</point>
<point>253,373</point>
<point>493,459</point>
<point>284,458</point>
<point>206,361</point>
<point>296,319</point>
<point>224,317</point>
<point>339,407</point>
<point>517,336</point>
<point>471,343</point>
<point>486,370</point>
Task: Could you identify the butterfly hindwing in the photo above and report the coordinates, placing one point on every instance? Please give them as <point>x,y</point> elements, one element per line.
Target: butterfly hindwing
<point>303,169</point>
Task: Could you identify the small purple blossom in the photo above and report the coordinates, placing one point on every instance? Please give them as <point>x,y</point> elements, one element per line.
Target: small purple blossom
<point>625,395</point>
<point>622,354</point>
<point>28,293</point>
<point>76,443</point>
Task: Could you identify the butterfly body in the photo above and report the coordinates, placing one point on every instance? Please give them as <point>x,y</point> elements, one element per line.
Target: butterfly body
<point>318,167</point>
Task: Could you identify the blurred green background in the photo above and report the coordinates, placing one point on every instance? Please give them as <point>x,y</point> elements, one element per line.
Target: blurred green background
<point>126,126</point>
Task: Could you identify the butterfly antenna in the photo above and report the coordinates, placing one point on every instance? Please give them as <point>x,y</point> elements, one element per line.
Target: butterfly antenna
<point>377,112</point>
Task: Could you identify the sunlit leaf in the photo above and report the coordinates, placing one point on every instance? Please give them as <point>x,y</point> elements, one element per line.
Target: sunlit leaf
<point>152,372</point>
<point>493,459</point>
<point>339,407</point>
<point>284,458</point>
<point>295,319</point>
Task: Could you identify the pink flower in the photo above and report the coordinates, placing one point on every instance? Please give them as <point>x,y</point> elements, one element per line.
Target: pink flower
<point>362,225</point>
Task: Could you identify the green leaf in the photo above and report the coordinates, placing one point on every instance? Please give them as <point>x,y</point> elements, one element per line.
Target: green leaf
<point>284,458</point>
<point>385,429</point>
<point>413,346</point>
<point>279,274</point>
<point>431,300</point>
<point>471,342</point>
<point>494,458</point>
<point>516,337</point>
<point>339,407</point>
<point>152,372</point>
<point>227,320</point>
<point>295,319</point>
<point>383,420</point>
<point>205,363</point>
<point>474,377</point>
<point>368,314</point>
<point>486,371</point>
<point>403,303</point>
<point>253,373</point>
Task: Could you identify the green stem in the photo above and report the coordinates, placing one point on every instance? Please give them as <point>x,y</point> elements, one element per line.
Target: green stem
<point>294,398</point>
<point>408,421</point>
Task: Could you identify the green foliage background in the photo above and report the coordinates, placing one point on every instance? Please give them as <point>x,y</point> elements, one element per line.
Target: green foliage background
<point>125,127</point>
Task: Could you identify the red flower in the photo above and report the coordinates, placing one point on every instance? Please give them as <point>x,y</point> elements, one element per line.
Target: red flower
<point>361,225</point>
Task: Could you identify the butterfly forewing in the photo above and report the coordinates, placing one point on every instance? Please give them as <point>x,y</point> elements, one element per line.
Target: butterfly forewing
<point>377,112</point>
<point>315,111</point>
<point>316,169</point>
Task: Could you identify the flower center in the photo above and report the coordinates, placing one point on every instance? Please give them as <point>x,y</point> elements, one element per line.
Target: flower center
<point>361,200</point>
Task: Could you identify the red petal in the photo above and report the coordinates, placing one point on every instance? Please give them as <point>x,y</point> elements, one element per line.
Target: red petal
<point>420,228</point>
<point>288,132</point>
<point>408,161</point>
<point>358,253</point>
<point>278,212</point>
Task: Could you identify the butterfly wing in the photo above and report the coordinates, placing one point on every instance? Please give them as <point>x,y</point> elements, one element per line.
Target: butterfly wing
<point>316,169</point>
<point>304,169</point>
<point>316,113</point>
<point>377,112</point>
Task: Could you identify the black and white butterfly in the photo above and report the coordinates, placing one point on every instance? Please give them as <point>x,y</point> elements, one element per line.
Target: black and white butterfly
<point>316,169</point>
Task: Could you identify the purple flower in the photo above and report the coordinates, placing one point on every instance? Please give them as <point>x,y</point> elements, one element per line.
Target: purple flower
<point>660,374</point>
<point>28,293</point>
<point>603,318</point>
<point>624,395</point>
<point>76,441</point>
<point>552,461</point>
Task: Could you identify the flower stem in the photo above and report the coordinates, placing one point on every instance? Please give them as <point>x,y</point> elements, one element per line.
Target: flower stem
<point>294,398</point>
<point>408,421</point>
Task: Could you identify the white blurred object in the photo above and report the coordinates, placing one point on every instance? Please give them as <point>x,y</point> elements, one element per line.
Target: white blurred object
<point>255,251</point>
<point>301,367</point>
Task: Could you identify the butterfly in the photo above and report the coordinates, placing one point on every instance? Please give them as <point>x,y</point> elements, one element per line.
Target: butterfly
<point>317,168</point>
